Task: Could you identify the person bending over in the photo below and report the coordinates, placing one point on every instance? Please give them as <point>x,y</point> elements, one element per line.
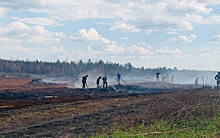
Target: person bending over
<point>98,82</point>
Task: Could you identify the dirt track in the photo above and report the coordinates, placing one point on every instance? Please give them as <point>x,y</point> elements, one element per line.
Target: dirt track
<point>84,113</point>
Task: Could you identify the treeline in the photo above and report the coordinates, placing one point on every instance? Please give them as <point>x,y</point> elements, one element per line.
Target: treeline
<point>74,69</point>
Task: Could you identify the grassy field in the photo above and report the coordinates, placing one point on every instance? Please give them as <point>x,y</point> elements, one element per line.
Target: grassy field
<point>162,128</point>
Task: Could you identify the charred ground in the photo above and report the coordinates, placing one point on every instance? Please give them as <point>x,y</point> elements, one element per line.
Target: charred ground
<point>54,110</point>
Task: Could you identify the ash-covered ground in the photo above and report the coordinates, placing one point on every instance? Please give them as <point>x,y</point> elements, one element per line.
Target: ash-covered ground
<point>16,90</point>
<point>34,107</point>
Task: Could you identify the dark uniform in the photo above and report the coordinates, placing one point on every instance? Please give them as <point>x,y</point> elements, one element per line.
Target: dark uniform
<point>84,78</point>
<point>104,79</point>
<point>98,82</point>
<point>158,76</point>
<point>217,78</point>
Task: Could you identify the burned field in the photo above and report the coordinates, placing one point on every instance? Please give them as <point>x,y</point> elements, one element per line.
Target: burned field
<point>54,110</point>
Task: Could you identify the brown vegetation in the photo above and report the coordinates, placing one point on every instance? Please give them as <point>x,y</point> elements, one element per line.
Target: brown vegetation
<point>85,113</point>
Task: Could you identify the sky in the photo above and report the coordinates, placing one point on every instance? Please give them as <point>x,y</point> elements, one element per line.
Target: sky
<point>147,33</point>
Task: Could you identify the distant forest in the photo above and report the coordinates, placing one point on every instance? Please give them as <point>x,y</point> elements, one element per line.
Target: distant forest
<point>74,69</point>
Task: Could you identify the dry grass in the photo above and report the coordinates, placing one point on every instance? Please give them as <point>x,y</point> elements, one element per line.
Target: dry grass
<point>129,112</point>
<point>35,115</point>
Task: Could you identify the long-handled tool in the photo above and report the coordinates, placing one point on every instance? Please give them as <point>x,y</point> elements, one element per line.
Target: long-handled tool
<point>203,80</point>
<point>86,86</point>
<point>124,81</point>
<point>114,88</point>
<point>101,85</point>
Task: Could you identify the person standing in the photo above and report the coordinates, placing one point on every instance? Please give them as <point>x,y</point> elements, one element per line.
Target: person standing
<point>158,76</point>
<point>217,78</point>
<point>84,79</point>
<point>196,81</point>
<point>118,78</point>
<point>98,81</point>
<point>104,79</point>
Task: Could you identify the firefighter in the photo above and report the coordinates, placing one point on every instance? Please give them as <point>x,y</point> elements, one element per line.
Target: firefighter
<point>84,79</point>
<point>118,78</point>
<point>104,79</point>
<point>217,78</point>
<point>98,81</point>
<point>196,81</point>
<point>158,76</point>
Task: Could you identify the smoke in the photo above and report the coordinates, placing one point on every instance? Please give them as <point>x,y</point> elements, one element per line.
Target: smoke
<point>187,77</point>
<point>61,80</point>
<point>77,82</point>
<point>180,77</point>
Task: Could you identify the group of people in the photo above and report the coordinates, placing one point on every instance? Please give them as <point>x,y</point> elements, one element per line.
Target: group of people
<point>167,78</point>
<point>104,81</point>
<point>217,78</point>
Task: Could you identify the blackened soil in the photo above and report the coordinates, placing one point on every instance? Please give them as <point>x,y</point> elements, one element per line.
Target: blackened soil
<point>17,95</point>
<point>85,125</point>
<point>145,109</point>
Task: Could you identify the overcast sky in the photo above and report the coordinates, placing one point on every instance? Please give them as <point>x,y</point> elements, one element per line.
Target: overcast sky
<point>150,33</point>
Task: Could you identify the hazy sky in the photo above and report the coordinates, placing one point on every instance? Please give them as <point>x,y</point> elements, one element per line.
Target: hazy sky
<point>150,33</point>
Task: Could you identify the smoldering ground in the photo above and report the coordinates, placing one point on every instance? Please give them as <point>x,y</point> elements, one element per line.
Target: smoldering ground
<point>184,77</point>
